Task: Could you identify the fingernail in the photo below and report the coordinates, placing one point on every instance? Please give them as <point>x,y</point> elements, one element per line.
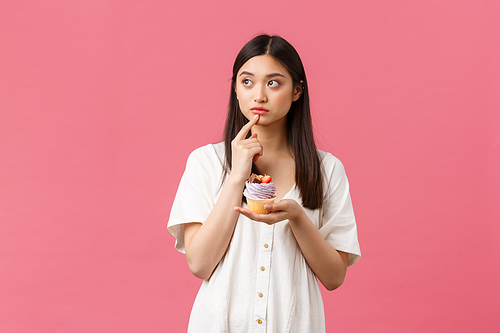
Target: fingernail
<point>256,117</point>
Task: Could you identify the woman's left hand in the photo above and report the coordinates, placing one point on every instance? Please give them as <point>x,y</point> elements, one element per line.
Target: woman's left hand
<point>327,263</point>
<point>279,211</point>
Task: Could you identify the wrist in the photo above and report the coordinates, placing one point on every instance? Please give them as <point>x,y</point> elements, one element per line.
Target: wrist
<point>236,180</point>
<point>298,216</point>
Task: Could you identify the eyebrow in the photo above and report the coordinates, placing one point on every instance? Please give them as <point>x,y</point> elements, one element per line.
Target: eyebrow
<point>267,76</point>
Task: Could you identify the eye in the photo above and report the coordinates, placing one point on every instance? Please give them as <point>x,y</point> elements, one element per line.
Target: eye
<point>246,82</point>
<point>273,83</point>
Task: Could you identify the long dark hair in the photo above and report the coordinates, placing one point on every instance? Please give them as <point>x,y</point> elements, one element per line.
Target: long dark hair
<point>308,175</point>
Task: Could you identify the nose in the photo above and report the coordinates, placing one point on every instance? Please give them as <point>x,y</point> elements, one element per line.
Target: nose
<point>260,95</point>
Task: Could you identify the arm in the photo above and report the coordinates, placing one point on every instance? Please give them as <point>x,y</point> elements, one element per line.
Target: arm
<point>207,243</point>
<point>329,265</point>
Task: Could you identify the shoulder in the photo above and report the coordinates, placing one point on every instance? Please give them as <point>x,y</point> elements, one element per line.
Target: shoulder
<point>329,162</point>
<point>334,174</point>
<point>209,157</point>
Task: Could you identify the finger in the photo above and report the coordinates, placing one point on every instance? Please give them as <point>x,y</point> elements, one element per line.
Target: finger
<point>266,218</point>
<point>255,150</point>
<point>255,143</point>
<point>254,216</point>
<point>247,212</point>
<point>269,207</point>
<point>244,130</point>
<point>276,206</point>
<point>249,143</point>
<point>257,154</point>
<point>253,147</point>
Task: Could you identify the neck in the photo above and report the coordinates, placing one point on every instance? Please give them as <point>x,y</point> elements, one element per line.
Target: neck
<point>273,137</point>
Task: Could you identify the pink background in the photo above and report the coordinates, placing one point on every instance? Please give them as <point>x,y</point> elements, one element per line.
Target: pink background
<point>102,101</point>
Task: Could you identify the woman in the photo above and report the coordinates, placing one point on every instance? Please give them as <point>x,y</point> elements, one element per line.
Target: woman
<point>260,270</point>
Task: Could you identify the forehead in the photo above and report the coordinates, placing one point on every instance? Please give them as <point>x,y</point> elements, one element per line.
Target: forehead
<point>263,65</point>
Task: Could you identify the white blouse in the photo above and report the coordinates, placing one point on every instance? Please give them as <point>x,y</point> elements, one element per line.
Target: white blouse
<point>263,283</point>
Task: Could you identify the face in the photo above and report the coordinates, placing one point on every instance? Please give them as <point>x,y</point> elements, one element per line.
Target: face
<point>264,87</point>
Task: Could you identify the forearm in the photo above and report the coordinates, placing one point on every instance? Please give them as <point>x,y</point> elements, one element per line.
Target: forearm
<point>327,263</point>
<point>206,244</point>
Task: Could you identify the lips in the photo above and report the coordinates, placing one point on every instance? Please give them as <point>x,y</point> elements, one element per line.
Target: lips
<point>259,110</point>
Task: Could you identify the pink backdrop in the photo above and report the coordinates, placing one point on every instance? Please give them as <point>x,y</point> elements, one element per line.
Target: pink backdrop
<point>102,101</point>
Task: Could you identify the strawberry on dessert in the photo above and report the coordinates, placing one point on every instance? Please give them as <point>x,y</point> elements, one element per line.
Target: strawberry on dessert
<point>265,179</point>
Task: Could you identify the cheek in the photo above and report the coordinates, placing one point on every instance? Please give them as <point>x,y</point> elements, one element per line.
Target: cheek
<point>242,100</point>
<point>240,96</point>
<point>284,100</point>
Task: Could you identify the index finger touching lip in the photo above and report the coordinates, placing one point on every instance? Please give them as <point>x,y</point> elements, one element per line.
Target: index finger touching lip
<point>244,130</point>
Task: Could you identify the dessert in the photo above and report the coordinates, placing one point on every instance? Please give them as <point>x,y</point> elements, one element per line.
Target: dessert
<point>259,190</point>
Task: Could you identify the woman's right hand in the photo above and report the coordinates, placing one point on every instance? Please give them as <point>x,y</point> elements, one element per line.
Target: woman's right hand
<point>244,151</point>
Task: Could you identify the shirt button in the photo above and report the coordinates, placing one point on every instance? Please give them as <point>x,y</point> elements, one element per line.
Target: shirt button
<point>259,321</point>
<point>261,295</point>
<point>262,268</point>
<point>266,246</point>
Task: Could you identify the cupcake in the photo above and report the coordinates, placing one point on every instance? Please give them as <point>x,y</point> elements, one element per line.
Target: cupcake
<point>259,190</point>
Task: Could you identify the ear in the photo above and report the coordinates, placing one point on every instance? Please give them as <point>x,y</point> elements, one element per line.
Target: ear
<point>297,91</point>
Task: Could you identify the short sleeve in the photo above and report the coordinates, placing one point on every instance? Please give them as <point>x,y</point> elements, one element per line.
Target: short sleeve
<point>338,224</point>
<point>196,195</point>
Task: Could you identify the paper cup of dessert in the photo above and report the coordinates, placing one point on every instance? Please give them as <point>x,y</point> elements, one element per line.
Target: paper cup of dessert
<point>257,205</point>
<point>259,190</point>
